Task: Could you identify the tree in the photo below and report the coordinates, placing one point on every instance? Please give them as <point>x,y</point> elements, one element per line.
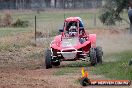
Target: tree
<point>113,9</point>
<point>130,14</point>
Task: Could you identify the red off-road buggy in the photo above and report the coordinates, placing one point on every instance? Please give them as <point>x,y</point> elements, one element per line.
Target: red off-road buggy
<point>72,44</point>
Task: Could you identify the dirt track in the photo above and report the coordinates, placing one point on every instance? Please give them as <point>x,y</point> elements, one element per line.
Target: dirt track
<point>42,78</point>
<point>39,77</point>
<point>36,78</point>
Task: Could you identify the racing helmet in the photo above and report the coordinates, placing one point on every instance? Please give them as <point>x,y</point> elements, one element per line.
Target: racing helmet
<point>72,30</point>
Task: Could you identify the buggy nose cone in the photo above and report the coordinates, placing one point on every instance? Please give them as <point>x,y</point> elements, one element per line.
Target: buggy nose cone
<point>68,53</point>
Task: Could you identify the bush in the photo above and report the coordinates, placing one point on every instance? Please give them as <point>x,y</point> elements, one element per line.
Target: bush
<point>20,23</point>
<point>6,20</point>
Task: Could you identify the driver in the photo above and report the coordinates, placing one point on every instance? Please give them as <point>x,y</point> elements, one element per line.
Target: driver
<point>73,31</point>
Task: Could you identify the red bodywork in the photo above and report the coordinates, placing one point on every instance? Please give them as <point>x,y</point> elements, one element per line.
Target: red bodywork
<point>65,47</point>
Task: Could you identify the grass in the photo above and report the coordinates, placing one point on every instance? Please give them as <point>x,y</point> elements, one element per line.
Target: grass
<point>71,68</point>
<point>12,31</point>
<point>35,55</point>
<point>118,69</point>
<point>47,22</point>
<point>78,64</point>
<point>51,21</point>
<point>10,47</point>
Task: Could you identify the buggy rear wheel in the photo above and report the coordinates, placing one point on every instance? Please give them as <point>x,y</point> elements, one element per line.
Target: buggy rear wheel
<point>48,62</point>
<point>93,58</point>
<point>99,54</point>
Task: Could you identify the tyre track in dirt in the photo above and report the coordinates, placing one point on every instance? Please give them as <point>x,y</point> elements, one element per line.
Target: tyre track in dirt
<point>39,78</point>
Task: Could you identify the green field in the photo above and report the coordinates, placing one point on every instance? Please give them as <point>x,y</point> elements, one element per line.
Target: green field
<point>118,69</point>
<point>50,21</point>
<point>12,31</point>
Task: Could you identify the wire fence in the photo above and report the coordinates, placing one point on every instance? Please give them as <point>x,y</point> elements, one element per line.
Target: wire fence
<point>49,21</point>
<point>50,14</point>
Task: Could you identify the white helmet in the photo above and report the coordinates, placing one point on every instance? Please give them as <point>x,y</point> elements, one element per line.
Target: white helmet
<point>73,30</point>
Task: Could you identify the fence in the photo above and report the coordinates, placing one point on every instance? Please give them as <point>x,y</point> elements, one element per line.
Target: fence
<point>49,22</point>
<point>55,17</point>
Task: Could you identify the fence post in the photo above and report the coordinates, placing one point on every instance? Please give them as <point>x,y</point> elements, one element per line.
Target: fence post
<point>94,18</point>
<point>95,7</point>
<point>35,30</point>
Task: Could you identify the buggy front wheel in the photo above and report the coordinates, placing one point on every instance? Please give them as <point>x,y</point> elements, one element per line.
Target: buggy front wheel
<point>93,58</point>
<point>48,62</point>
